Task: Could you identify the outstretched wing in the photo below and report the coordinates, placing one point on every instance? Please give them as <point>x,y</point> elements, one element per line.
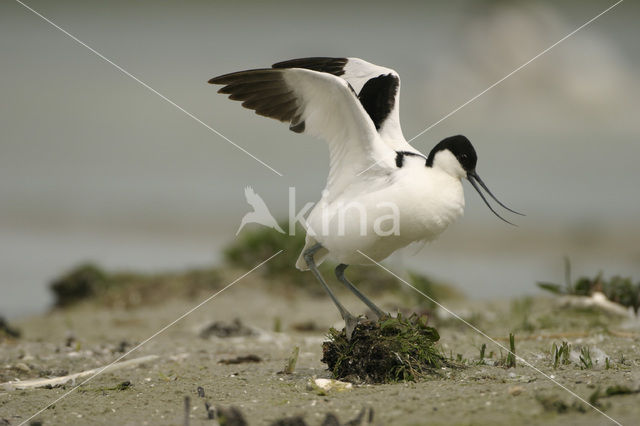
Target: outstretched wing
<point>317,103</point>
<point>378,90</point>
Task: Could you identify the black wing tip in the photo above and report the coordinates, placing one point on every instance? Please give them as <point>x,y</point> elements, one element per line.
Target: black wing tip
<point>265,92</point>
<point>326,64</point>
<point>235,76</point>
<point>225,78</point>
<point>310,60</point>
<point>298,127</point>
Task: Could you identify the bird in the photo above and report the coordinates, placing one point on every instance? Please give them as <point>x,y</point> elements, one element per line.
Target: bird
<point>260,213</point>
<point>375,175</point>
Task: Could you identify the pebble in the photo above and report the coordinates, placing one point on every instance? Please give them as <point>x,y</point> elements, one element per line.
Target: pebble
<point>515,390</point>
<point>328,385</point>
<point>21,366</point>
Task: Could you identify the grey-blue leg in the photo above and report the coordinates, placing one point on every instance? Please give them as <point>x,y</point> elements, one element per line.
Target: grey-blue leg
<point>340,275</point>
<point>349,320</point>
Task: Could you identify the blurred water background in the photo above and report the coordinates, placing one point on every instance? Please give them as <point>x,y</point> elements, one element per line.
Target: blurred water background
<point>95,167</point>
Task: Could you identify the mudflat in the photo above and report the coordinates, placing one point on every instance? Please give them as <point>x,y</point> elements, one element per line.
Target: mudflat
<point>235,348</point>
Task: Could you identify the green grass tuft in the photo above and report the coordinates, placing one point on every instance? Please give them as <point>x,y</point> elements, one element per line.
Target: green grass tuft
<point>390,350</point>
<point>560,354</point>
<point>483,349</point>
<point>585,358</point>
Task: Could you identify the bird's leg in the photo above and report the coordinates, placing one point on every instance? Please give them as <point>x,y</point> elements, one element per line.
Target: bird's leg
<point>349,320</point>
<point>340,275</point>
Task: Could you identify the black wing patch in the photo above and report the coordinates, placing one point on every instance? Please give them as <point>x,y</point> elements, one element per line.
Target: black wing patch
<point>378,96</point>
<point>401,154</point>
<point>333,66</point>
<point>265,92</point>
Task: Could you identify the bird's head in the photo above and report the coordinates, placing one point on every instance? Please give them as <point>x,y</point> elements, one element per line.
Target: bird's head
<point>456,156</point>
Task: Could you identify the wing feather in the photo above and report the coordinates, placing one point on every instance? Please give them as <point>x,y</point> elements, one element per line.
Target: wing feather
<point>317,103</point>
<point>378,89</point>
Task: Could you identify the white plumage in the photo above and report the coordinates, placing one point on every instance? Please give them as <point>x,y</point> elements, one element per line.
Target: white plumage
<point>376,178</point>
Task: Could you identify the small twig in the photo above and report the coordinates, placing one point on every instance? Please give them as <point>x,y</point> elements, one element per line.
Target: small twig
<point>511,356</point>
<point>625,334</point>
<point>59,381</point>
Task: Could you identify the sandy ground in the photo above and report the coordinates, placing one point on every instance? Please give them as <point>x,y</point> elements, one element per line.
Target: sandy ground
<point>477,394</point>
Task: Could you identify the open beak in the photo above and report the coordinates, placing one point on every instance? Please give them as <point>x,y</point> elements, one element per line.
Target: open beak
<point>474,179</point>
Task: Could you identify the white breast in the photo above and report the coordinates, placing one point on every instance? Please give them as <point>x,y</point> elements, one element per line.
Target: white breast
<point>416,203</point>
